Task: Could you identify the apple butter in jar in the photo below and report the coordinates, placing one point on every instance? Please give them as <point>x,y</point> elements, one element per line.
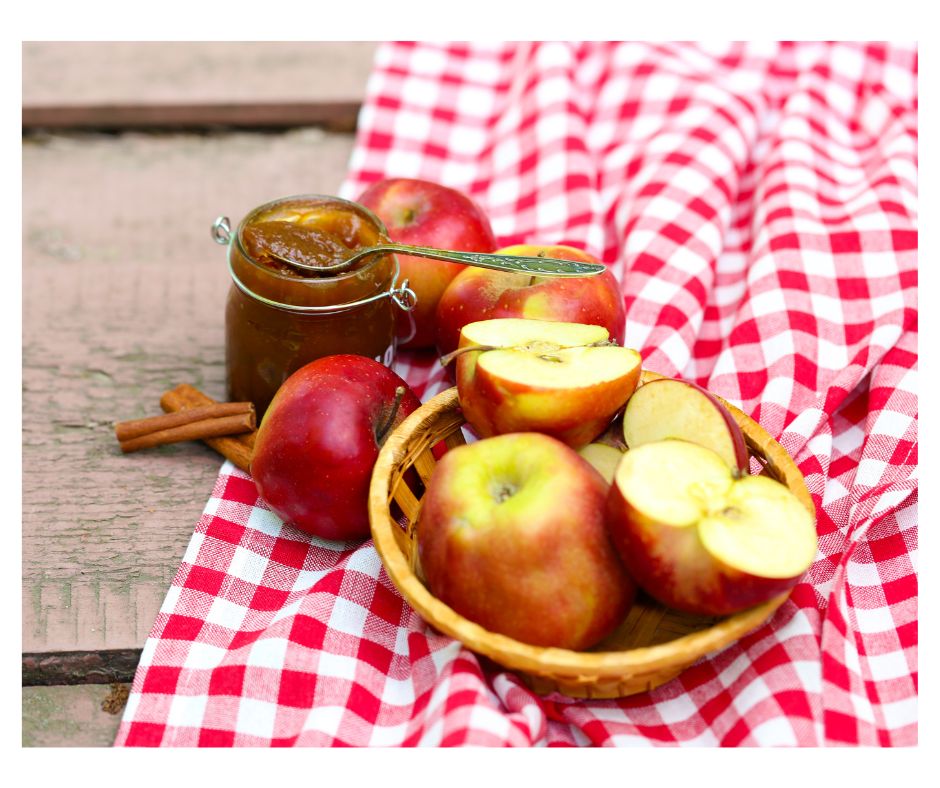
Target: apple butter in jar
<point>279,316</point>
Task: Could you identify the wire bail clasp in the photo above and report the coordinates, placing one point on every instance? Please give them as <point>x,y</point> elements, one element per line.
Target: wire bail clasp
<point>221,231</point>
<point>404,297</point>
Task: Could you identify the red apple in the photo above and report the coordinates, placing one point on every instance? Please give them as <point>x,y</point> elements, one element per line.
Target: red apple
<point>319,440</point>
<point>422,213</point>
<point>668,408</point>
<point>512,536</point>
<point>480,294</point>
<point>563,379</point>
<point>699,537</point>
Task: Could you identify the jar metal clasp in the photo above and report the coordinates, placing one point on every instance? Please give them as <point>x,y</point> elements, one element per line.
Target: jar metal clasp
<point>222,231</point>
<point>404,297</point>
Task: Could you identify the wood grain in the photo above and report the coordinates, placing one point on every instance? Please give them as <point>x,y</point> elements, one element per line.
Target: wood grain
<point>122,300</point>
<point>80,667</point>
<point>81,74</point>
<point>123,295</point>
<point>334,116</point>
<point>71,716</point>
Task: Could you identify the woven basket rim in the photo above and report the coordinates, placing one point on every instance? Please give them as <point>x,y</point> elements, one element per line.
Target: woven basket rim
<point>514,654</point>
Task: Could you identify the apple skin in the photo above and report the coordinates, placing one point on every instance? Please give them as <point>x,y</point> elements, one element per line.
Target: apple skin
<point>317,443</point>
<point>613,435</point>
<point>673,566</point>
<point>538,566</point>
<point>422,213</point>
<point>738,456</point>
<point>480,294</point>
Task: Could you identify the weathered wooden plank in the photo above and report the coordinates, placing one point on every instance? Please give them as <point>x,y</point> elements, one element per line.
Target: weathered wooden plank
<point>334,116</point>
<point>123,295</point>
<point>90,73</point>
<point>80,667</point>
<point>84,716</point>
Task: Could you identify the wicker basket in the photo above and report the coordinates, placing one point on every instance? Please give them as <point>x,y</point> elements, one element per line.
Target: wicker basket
<point>652,645</point>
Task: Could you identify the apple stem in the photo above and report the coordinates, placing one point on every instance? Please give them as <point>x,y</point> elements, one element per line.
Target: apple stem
<point>396,404</point>
<point>445,360</point>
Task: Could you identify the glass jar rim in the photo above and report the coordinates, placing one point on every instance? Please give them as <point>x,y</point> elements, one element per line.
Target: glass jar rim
<point>319,198</point>
<point>396,294</point>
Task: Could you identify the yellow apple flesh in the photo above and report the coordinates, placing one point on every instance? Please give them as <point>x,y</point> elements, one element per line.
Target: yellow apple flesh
<point>667,408</point>
<point>604,457</point>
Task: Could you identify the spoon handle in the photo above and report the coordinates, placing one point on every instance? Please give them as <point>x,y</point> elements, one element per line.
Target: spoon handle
<point>534,266</point>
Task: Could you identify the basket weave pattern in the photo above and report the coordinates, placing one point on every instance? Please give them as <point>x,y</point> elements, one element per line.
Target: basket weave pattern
<point>651,646</point>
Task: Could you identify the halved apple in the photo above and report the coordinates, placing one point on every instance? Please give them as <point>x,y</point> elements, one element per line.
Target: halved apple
<point>566,380</point>
<point>700,538</point>
<point>604,457</point>
<point>667,408</point>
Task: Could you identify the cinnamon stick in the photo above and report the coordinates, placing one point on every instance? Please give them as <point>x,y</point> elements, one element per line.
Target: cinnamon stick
<point>236,448</point>
<point>128,430</point>
<point>195,430</point>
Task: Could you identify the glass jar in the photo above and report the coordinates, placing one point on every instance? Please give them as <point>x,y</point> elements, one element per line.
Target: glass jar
<point>277,319</point>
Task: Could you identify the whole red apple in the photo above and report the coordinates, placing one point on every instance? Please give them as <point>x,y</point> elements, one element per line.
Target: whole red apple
<point>512,536</point>
<point>319,439</point>
<point>422,213</point>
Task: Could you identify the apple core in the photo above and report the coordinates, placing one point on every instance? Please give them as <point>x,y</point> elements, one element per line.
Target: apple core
<point>764,530</point>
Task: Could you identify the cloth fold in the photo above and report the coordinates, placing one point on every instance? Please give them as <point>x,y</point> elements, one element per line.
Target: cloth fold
<point>758,206</point>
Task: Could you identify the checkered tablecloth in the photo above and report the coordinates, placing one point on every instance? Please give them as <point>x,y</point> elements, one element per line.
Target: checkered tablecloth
<point>758,205</point>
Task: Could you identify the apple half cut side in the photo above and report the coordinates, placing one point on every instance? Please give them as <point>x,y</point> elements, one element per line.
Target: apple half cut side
<point>698,537</point>
<point>566,380</point>
<point>668,408</point>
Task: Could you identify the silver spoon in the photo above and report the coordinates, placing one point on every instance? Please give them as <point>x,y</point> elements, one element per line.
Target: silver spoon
<point>534,266</point>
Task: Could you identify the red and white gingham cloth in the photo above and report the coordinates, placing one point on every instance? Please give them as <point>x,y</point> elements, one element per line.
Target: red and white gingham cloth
<point>758,205</point>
